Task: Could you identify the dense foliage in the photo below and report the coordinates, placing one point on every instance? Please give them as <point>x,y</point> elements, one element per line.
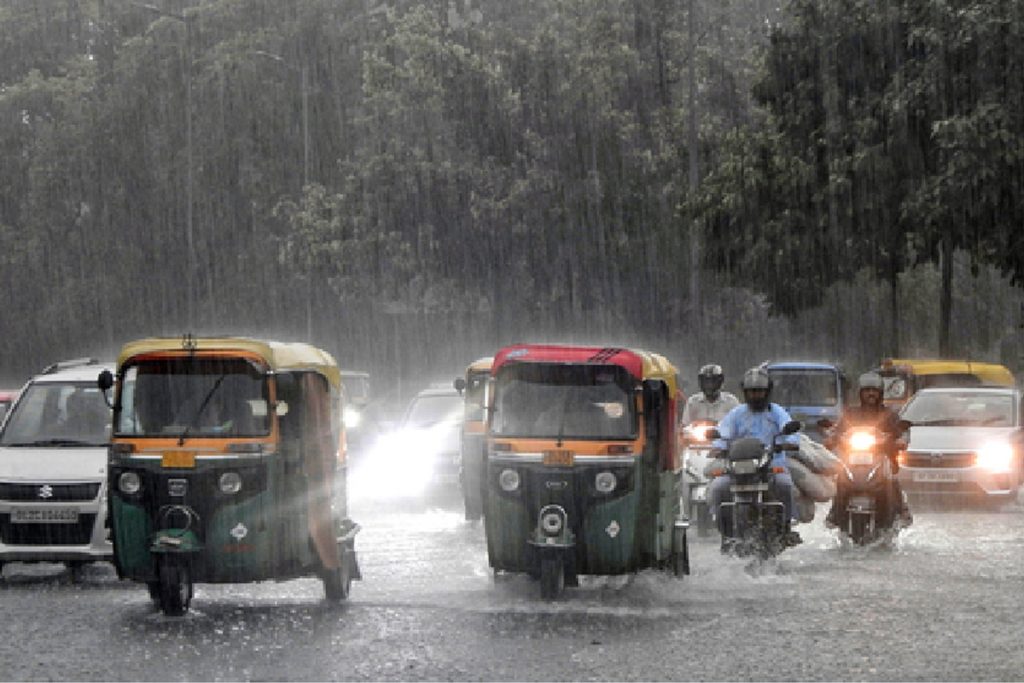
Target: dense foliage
<point>410,184</point>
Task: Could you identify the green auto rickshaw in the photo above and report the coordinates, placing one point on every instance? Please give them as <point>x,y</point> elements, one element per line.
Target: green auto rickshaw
<point>583,469</point>
<point>226,466</point>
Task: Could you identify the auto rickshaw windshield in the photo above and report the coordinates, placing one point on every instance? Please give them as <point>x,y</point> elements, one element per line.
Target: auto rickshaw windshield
<point>554,400</point>
<point>211,397</point>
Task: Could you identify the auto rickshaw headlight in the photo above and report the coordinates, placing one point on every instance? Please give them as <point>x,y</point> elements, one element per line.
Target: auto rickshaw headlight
<point>129,483</point>
<point>508,480</point>
<point>605,482</point>
<point>551,523</point>
<point>351,418</point>
<point>230,482</point>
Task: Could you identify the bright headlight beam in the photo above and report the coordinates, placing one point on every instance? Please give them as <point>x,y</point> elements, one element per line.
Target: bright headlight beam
<point>996,457</point>
<point>862,441</point>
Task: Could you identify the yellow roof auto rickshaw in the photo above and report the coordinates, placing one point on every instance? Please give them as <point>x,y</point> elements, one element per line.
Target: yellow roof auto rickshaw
<point>224,465</point>
<point>583,470</point>
<point>905,377</point>
<point>473,448</point>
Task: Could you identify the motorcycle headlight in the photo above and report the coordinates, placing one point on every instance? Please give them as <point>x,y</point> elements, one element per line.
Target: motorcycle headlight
<point>995,457</point>
<point>862,441</point>
<point>508,480</point>
<point>605,482</point>
<point>230,482</point>
<point>129,483</point>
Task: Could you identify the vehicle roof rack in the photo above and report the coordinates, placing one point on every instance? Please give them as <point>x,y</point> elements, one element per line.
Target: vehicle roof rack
<point>65,364</point>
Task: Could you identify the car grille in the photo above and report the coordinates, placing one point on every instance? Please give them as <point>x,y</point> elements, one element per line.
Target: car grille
<point>47,534</point>
<point>58,492</point>
<point>940,459</point>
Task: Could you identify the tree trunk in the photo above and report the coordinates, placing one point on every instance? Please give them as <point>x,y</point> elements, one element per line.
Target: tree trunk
<point>946,299</point>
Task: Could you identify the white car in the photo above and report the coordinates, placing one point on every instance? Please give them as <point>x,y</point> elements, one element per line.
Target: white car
<point>53,469</point>
<point>963,441</point>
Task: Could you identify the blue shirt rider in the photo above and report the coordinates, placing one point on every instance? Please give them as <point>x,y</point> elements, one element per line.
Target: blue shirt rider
<point>758,418</point>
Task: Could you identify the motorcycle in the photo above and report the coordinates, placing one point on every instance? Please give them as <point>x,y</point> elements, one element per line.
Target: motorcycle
<point>754,522</point>
<point>695,482</point>
<point>865,483</point>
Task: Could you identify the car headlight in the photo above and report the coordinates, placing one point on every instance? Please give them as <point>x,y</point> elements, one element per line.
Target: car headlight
<point>230,482</point>
<point>508,480</point>
<point>605,482</point>
<point>351,418</point>
<point>862,441</point>
<point>995,457</point>
<point>129,483</point>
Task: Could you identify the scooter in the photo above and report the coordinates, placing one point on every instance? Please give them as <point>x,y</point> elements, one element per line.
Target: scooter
<point>695,483</point>
<point>754,522</point>
<point>865,482</point>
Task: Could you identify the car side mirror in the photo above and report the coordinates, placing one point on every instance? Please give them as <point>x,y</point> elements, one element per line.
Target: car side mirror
<point>792,427</point>
<point>713,433</point>
<point>825,423</point>
<point>459,384</point>
<point>904,425</point>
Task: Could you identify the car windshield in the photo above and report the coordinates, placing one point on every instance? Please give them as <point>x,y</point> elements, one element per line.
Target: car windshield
<point>804,387</point>
<point>475,384</point>
<point>58,414</point>
<point>547,400</point>
<point>197,397</point>
<point>429,410</point>
<point>961,409</point>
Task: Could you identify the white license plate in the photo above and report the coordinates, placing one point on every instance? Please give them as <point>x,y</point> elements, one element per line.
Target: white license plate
<point>937,476</point>
<point>44,516</point>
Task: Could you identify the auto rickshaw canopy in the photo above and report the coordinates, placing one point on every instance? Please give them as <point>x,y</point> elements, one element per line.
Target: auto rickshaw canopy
<point>641,365</point>
<point>987,373</point>
<point>279,356</point>
<point>480,365</point>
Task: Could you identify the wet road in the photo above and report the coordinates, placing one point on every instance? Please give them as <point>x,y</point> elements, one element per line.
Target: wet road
<point>944,604</point>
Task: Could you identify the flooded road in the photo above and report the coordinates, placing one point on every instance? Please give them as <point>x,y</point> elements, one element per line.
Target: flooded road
<point>945,603</point>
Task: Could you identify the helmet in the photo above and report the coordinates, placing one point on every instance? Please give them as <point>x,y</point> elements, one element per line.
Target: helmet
<point>710,378</point>
<point>756,380</point>
<point>871,381</point>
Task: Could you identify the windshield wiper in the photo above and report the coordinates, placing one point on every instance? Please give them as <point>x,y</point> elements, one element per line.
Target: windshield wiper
<point>55,442</point>
<point>202,407</point>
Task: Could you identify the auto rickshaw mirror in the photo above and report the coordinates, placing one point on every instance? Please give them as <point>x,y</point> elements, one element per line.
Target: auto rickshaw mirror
<point>459,384</point>
<point>281,408</point>
<point>825,423</point>
<point>792,427</point>
<point>105,380</point>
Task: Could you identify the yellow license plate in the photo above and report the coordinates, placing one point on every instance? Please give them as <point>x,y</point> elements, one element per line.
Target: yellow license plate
<point>559,458</point>
<point>179,459</point>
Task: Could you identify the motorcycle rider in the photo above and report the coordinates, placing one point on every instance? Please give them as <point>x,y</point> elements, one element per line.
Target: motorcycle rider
<point>761,419</point>
<point>871,413</point>
<point>711,403</point>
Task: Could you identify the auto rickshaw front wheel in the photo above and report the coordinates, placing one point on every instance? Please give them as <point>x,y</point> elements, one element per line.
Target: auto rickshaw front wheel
<point>175,588</point>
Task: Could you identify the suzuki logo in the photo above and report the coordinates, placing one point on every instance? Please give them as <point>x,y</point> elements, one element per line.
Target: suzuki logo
<point>46,491</point>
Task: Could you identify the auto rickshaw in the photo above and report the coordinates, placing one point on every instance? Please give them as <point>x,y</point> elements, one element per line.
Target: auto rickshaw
<point>222,466</point>
<point>473,446</point>
<point>905,377</point>
<point>583,469</point>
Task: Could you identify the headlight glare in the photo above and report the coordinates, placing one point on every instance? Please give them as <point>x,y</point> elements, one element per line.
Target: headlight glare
<point>129,483</point>
<point>230,482</point>
<point>352,418</point>
<point>605,482</point>
<point>508,480</point>
<point>995,457</point>
<point>862,441</point>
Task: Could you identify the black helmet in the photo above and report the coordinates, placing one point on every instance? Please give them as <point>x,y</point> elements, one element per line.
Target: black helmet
<point>756,379</point>
<point>710,379</point>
